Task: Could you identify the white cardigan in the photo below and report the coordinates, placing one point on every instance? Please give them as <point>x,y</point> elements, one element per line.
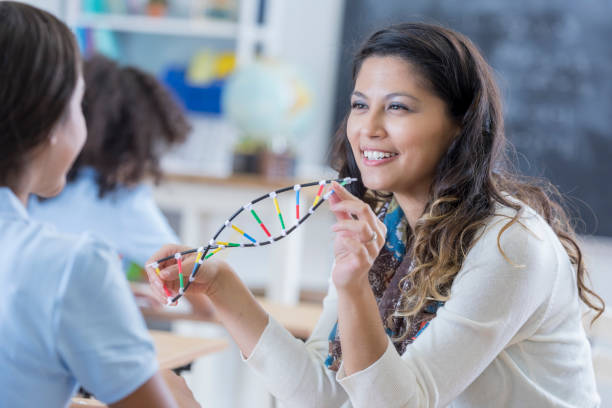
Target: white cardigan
<point>509,336</point>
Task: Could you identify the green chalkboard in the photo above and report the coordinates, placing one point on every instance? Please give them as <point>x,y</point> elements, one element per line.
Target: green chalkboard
<point>554,66</point>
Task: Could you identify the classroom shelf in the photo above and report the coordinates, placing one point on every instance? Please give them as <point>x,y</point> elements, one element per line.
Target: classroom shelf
<point>200,27</point>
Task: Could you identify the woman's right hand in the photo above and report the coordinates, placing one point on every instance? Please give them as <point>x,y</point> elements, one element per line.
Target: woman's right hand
<point>205,280</point>
<point>234,305</point>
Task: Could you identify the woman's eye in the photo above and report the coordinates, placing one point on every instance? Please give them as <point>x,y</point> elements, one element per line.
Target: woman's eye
<point>398,106</point>
<point>358,105</point>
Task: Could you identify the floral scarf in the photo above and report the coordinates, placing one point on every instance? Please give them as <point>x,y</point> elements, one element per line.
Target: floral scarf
<point>384,279</point>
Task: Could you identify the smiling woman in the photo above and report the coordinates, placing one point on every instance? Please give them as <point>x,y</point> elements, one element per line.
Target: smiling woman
<point>425,135</point>
<point>455,281</point>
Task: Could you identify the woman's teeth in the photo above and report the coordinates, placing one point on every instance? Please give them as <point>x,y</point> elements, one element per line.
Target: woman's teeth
<point>375,155</point>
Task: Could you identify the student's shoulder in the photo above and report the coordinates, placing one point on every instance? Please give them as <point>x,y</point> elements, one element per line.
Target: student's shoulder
<point>131,199</point>
<point>137,193</point>
<point>72,250</point>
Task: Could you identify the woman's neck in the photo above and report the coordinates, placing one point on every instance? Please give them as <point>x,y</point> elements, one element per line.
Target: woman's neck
<point>412,205</point>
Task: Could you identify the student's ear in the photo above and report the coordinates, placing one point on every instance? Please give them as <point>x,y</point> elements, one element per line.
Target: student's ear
<point>53,139</point>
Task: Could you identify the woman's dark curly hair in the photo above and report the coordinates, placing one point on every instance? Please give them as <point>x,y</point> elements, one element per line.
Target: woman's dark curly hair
<point>130,118</point>
<point>474,174</point>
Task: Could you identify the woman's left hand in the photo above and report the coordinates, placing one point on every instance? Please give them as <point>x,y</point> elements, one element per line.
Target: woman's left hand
<point>360,236</point>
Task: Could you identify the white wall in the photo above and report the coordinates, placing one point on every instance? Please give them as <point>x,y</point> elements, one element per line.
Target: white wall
<point>309,35</point>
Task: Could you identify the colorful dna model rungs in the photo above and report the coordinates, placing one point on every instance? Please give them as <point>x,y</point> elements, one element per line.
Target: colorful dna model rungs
<point>214,246</point>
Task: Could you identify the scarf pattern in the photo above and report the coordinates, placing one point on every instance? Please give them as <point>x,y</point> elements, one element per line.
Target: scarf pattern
<point>384,277</point>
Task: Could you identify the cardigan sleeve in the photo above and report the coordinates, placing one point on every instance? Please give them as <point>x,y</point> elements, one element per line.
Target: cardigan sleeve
<point>495,299</point>
<point>294,371</point>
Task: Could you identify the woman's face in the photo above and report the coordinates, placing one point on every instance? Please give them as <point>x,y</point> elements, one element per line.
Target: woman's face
<point>397,128</point>
<point>65,142</point>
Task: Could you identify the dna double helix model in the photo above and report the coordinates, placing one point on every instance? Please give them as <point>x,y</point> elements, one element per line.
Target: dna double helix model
<point>215,245</point>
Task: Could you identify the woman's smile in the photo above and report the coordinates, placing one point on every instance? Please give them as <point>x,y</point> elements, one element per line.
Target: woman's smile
<point>376,157</point>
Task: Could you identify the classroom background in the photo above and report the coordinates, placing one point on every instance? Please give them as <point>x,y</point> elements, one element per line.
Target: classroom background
<point>266,82</point>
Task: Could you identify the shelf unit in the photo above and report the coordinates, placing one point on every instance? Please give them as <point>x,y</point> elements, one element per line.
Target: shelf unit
<point>305,34</point>
<point>200,27</point>
<point>251,36</point>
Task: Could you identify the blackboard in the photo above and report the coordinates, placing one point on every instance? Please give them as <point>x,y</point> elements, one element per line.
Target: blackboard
<point>553,61</point>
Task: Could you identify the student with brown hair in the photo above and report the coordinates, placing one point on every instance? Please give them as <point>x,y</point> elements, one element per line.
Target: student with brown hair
<point>67,316</point>
<point>456,282</point>
<point>131,120</point>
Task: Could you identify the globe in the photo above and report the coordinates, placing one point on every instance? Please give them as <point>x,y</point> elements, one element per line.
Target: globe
<point>268,100</point>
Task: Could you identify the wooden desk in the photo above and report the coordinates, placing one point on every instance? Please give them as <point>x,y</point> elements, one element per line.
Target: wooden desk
<point>173,351</point>
<point>300,319</point>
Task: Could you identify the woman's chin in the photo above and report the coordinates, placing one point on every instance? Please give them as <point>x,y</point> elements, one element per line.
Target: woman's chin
<point>376,183</point>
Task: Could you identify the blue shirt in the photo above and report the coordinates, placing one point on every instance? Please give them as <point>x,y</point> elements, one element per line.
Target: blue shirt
<point>67,316</point>
<point>128,218</point>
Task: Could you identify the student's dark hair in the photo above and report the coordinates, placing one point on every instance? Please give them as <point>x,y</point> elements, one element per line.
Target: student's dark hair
<point>473,175</point>
<point>130,119</point>
<point>39,68</point>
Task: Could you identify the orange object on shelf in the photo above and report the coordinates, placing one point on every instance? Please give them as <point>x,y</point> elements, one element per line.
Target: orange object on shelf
<point>156,8</point>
